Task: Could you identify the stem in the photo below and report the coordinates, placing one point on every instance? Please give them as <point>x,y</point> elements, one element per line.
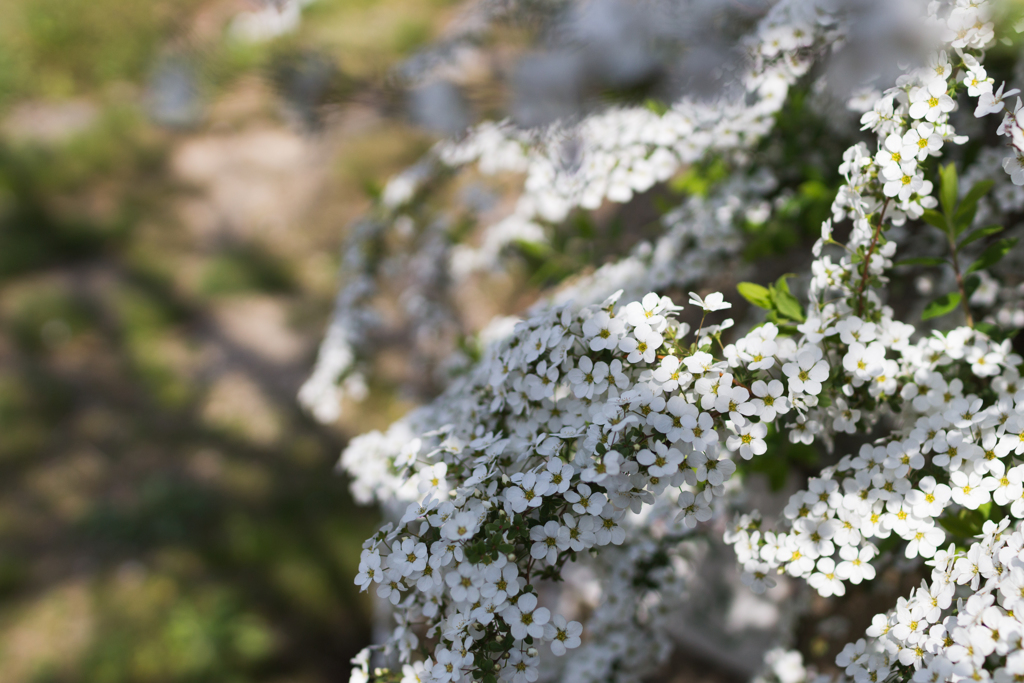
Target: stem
<point>867,258</point>
<point>959,280</point>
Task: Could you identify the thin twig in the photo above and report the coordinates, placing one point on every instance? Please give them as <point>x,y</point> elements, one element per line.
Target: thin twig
<point>867,258</point>
<point>959,279</point>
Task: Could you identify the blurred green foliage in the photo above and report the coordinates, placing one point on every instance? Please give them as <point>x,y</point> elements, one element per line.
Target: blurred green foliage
<point>60,48</point>
<point>247,268</point>
<point>141,539</point>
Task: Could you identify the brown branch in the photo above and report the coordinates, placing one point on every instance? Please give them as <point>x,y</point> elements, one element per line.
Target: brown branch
<point>867,258</point>
<point>959,278</point>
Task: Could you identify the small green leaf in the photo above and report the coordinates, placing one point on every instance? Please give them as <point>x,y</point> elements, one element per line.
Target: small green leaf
<point>991,256</point>
<point>975,235</point>
<point>656,106</point>
<point>948,189</point>
<point>993,331</point>
<point>755,294</point>
<point>941,306</point>
<point>781,283</point>
<point>979,190</point>
<point>964,219</point>
<point>787,305</point>
<point>968,208</point>
<point>971,285</point>
<point>922,261</point>
<point>965,523</point>
<point>783,300</point>
<point>934,218</point>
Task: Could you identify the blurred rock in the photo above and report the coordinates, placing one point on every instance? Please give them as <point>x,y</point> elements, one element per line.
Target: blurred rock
<point>49,123</point>
<point>439,107</point>
<point>308,82</point>
<point>173,95</point>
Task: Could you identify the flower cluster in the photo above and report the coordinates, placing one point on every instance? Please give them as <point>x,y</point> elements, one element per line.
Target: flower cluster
<point>954,449</point>
<point>947,448</point>
<point>602,433</point>
<point>934,635</point>
<point>618,153</point>
<point>572,422</point>
<point>625,151</point>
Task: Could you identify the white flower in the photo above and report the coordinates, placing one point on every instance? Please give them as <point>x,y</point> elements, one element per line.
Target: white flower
<point>712,302</point>
<point>581,531</point>
<point>694,508</point>
<point>410,556</point>
<point>903,180</point>
<point>670,374</point>
<point>992,102</point>
<point>967,490</point>
<point>563,635</point>
<point>757,575</point>
<point>588,379</point>
<point>749,439</point>
<point>1011,486</point>
<point>922,141</point>
<point>769,401</point>
<point>712,470</point>
<point>930,102</point>
<point>1014,167</point>
<point>930,500</point>
<point>549,539</point>
<point>806,373</point>
<point>825,580</point>
<point>530,491</point>
<point>643,345</point>
<point>521,667</point>
<point>845,418</point>
<point>648,311</point>
<point>856,565</point>
<point>924,540</point>
<point>369,569</point>
<point>585,501</point>
<point>603,331</point>
<point>449,665</point>
<point>977,81</point>
<point>460,527</point>
<point>525,618</point>
<point>662,461</point>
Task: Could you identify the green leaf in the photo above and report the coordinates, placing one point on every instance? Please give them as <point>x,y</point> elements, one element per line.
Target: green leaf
<point>964,219</point>
<point>991,256</point>
<point>971,285</point>
<point>969,206</point>
<point>965,523</point>
<point>979,190</point>
<point>936,219</point>
<point>787,305</point>
<point>781,282</point>
<point>997,333</point>
<point>975,235</point>
<point>922,261</point>
<point>948,189</point>
<point>755,294</point>
<point>656,106</point>
<point>941,306</point>
<point>784,302</point>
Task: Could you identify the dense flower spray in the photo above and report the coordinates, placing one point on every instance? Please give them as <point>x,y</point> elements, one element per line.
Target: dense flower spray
<point>602,431</point>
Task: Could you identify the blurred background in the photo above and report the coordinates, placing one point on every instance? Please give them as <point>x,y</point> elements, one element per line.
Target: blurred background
<point>175,181</point>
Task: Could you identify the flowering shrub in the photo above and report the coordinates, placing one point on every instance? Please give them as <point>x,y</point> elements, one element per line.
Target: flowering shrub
<point>604,431</point>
